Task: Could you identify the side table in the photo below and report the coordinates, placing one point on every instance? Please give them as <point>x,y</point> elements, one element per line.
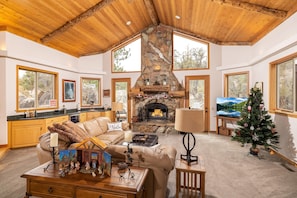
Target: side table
<point>190,179</point>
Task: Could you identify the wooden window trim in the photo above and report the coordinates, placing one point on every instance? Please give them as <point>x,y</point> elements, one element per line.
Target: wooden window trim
<point>273,86</point>
<point>226,76</point>
<point>56,83</point>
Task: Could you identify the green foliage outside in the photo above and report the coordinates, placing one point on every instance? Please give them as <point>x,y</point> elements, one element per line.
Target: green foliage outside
<point>255,125</point>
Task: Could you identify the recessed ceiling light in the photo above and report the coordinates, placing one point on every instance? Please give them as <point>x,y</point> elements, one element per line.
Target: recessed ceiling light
<point>177,17</point>
<point>128,23</point>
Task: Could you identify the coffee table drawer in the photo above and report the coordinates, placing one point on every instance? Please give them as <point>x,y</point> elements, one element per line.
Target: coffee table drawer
<point>88,193</point>
<point>49,189</point>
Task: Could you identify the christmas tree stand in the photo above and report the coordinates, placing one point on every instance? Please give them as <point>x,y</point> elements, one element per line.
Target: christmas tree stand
<point>254,151</point>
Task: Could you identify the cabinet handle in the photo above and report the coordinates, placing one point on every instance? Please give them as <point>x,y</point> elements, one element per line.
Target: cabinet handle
<point>50,190</point>
<point>100,196</point>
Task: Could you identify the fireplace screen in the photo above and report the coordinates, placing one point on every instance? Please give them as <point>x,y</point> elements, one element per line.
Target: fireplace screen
<point>156,111</point>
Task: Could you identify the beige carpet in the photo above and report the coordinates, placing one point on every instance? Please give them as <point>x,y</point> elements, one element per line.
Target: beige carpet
<point>231,172</point>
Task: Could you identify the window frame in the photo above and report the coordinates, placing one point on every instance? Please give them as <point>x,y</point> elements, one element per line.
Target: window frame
<point>226,82</point>
<point>195,40</point>
<point>121,46</point>
<point>99,92</point>
<point>55,91</point>
<point>273,87</point>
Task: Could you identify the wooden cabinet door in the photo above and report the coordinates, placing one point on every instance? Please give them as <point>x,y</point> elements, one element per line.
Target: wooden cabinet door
<point>82,117</point>
<point>26,132</point>
<point>94,114</point>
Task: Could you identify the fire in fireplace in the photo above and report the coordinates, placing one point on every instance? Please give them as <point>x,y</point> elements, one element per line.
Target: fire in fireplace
<point>156,111</point>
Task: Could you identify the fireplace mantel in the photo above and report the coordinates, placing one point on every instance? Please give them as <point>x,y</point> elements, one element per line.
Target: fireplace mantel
<point>149,89</point>
<point>155,88</point>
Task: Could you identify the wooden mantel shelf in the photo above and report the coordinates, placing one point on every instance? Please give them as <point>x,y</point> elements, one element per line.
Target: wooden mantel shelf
<point>144,90</point>
<point>155,88</point>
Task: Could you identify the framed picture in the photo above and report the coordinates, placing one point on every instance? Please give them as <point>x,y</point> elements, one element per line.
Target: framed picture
<point>90,92</point>
<point>106,93</point>
<point>69,90</point>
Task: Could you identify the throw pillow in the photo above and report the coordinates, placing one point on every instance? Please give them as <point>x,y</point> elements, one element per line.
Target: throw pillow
<point>115,126</point>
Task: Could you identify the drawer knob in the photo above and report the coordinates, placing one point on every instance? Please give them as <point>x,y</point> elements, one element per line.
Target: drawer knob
<point>100,196</point>
<point>50,190</point>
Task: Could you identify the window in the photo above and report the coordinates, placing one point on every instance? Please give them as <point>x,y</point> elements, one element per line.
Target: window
<point>36,89</point>
<point>90,92</point>
<point>189,53</point>
<point>237,84</point>
<point>127,58</point>
<point>283,84</point>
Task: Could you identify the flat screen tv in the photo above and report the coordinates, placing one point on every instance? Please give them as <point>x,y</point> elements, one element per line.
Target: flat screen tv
<point>230,106</point>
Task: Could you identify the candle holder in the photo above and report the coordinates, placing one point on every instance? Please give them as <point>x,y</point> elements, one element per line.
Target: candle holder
<point>53,144</point>
<point>53,162</point>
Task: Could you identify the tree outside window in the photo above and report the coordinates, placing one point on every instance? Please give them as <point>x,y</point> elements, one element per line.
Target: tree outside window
<point>189,53</point>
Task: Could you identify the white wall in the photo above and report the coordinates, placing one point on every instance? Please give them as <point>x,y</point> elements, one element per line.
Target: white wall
<point>18,51</point>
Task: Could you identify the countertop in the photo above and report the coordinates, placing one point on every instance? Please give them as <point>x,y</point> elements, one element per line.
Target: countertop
<point>56,113</point>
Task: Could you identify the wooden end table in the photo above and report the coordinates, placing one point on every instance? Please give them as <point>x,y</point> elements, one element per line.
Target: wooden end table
<point>48,183</point>
<point>190,179</point>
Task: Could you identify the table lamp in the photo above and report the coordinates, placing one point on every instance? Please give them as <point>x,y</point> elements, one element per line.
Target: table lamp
<point>189,121</point>
<point>117,107</point>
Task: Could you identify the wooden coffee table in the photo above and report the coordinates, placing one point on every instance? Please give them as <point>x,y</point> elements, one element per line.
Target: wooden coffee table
<point>48,183</point>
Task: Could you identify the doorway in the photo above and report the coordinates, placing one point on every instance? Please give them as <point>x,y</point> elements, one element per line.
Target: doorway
<point>197,94</point>
<point>120,93</point>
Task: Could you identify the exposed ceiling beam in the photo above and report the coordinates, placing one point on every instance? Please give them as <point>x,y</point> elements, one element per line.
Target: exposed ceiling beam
<point>151,11</point>
<point>84,15</point>
<point>253,7</point>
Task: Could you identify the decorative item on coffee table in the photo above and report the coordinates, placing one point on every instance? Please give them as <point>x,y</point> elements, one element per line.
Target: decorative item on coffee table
<point>145,139</point>
<point>89,157</point>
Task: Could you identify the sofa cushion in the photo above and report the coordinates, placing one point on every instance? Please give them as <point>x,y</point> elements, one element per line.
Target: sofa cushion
<point>102,121</point>
<point>65,131</point>
<point>114,126</point>
<point>113,137</point>
<point>93,127</point>
<point>77,129</point>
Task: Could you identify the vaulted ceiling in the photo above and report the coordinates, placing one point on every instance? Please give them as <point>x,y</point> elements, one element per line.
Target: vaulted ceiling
<point>85,27</point>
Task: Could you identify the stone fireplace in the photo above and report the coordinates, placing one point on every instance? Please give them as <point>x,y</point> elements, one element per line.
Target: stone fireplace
<point>157,92</point>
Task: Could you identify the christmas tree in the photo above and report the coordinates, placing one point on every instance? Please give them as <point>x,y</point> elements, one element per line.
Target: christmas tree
<point>255,124</point>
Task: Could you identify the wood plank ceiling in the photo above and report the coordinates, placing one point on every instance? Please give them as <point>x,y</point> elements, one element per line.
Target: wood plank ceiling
<point>88,27</point>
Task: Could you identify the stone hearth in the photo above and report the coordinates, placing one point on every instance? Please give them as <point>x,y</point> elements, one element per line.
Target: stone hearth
<point>157,84</point>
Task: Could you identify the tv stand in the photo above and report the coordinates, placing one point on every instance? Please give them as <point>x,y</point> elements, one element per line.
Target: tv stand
<point>222,127</point>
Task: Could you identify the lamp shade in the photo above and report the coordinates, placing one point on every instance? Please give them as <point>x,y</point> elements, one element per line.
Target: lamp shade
<point>189,120</point>
<point>117,106</point>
